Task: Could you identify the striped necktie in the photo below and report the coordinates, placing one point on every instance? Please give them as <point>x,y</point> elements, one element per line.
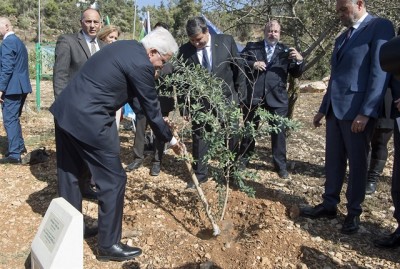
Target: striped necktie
<point>93,48</point>
<point>269,52</point>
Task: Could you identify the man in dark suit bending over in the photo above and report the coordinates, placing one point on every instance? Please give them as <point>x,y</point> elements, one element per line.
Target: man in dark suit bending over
<point>268,64</point>
<point>93,96</point>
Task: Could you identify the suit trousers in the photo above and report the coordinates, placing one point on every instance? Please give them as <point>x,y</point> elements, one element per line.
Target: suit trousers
<point>278,140</point>
<point>200,148</point>
<point>110,182</point>
<point>342,145</point>
<point>396,173</point>
<point>140,135</point>
<point>12,110</point>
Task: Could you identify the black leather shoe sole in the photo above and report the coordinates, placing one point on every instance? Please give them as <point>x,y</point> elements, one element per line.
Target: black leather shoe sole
<point>116,258</point>
<point>317,212</point>
<point>118,252</point>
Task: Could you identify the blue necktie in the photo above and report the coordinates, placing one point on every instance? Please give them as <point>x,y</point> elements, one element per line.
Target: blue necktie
<point>348,36</point>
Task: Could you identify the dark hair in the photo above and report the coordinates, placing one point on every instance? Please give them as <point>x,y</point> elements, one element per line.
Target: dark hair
<point>196,25</point>
<point>161,24</point>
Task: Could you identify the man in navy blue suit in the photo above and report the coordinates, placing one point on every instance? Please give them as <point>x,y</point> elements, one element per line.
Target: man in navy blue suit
<point>14,87</point>
<point>355,91</point>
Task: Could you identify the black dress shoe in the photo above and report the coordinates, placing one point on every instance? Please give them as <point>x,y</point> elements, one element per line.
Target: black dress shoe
<point>283,173</point>
<point>351,224</point>
<point>370,188</point>
<point>89,232</point>
<point>89,193</point>
<point>10,160</point>
<point>134,165</point>
<point>155,169</point>
<point>118,252</point>
<point>389,241</point>
<point>318,211</point>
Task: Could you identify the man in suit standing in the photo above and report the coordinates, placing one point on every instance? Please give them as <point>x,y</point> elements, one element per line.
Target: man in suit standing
<point>14,87</point>
<point>219,55</point>
<point>355,91</point>
<point>72,51</point>
<point>93,96</point>
<point>268,64</point>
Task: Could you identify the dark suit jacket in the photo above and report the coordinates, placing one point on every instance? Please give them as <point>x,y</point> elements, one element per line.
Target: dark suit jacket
<point>14,70</point>
<point>394,85</point>
<point>357,84</point>
<point>71,53</point>
<point>86,107</point>
<point>271,84</point>
<point>225,65</point>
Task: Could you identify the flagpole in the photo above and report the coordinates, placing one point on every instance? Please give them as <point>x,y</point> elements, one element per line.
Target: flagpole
<point>134,18</point>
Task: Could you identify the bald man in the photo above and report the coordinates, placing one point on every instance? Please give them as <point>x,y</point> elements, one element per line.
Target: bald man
<point>14,87</point>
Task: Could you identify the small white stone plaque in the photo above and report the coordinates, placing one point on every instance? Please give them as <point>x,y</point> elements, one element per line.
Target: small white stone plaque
<point>58,243</point>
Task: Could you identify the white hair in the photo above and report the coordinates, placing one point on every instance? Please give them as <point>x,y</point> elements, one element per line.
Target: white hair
<point>161,40</point>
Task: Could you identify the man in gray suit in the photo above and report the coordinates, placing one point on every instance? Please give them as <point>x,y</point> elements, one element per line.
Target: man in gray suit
<point>72,51</point>
<point>355,91</point>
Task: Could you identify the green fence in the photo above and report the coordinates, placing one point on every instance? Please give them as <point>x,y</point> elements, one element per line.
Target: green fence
<point>44,65</point>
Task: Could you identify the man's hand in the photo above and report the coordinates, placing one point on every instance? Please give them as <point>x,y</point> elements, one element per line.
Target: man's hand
<point>295,55</point>
<point>179,148</point>
<point>1,95</point>
<point>359,124</point>
<point>260,65</point>
<point>317,119</point>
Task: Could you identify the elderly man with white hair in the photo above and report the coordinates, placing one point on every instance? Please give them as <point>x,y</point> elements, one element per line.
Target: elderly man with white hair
<point>85,127</point>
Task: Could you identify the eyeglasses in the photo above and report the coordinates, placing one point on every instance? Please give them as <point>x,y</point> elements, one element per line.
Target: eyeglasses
<point>162,59</point>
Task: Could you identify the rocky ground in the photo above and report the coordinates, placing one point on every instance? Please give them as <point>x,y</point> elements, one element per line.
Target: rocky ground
<point>168,223</point>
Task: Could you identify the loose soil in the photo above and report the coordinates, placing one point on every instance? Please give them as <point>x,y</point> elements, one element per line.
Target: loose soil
<point>168,221</point>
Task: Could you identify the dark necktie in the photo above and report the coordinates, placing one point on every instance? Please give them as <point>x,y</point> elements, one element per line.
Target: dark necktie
<point>205,62</point>
<point>348,35</point>
<point>93,48</point>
